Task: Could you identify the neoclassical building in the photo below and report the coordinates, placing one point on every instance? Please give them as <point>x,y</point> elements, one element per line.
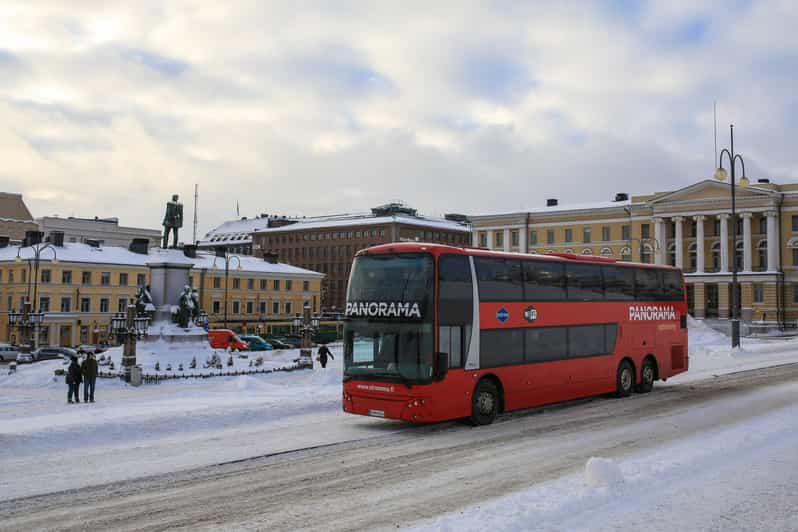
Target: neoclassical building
<point>690,228</point>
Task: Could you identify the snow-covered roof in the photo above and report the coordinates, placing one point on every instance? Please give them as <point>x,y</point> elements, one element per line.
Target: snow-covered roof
<point>330,222</point>
<point>114,255</point>
<point>234,231</point>
<point>563,208</point>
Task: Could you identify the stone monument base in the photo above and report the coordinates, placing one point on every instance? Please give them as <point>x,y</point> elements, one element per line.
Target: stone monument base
<point>172,333</point>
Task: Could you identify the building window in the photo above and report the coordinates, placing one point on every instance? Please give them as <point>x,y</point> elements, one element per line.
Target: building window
<point>217,282</point>
<point>586,235</point>
<point>626,255</point>
<point>499,239</point>
<point>483,239</point>
<point>625,234</point>
<point>24,276</point>
<point>514,239</point>
<point>263,284</point>
<point>47,276</point>
<point>123,279</point>
<point>105,278</point>
<point>288,307</point>
<point>569,235</point>
<point>759,293</point>
<point>289,284</point>
<point>217,307</point>
<point>104,304</point>
<point>550,236</point>
<point>276,284</point>
<point>140,279</point>
<point>763,225</point>
<point>250,284</point>
<point>66,277</point>
<point>85,278</point>
<point>716,227</point>
<point>762,253</point>
<point>795,256</point>
<point>236,307</point>
<point>605,233</point>
<point>122,305</point>
<point>794,289</point>
<point>533,238</point>
<point>44,304</point>
<point>262,307</point>
<point>85,304</point>
<point>66,304</point>
<point>250,307</point>
<point>795,223</point>
<point>645,254</point>
<point>305,286</point>
<point>275,307</point>
<point>645,231</point>
<point>236,283</point>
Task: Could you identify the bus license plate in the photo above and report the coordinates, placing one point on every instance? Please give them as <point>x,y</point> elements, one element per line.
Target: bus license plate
<point>377,413</point>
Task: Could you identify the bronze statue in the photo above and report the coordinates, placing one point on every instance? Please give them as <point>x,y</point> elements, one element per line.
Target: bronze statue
<point>172,220</point>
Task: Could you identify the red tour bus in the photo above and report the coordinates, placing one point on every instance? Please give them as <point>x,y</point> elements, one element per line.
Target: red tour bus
<point>435,332</point>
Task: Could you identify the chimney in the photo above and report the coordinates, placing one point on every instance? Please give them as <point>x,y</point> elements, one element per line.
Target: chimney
<point>190,251</point>
<point>551,202</point>
<point>764,181</point>
<point>140,245</point>
<point>621,196</point>
<point>4,241</point>
<point>57,238</point>
<point>32,238</point>
<point>271,257</point>
<point>93,243</point>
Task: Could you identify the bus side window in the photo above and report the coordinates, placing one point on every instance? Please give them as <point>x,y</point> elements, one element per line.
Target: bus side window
<point>455,307</point>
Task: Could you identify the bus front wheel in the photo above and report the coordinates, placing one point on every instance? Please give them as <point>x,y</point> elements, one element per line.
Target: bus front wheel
<point>484,403</point>
<point>624,379</point>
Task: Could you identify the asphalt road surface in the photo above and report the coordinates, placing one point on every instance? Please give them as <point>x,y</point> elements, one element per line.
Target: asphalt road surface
<point>395,479</point>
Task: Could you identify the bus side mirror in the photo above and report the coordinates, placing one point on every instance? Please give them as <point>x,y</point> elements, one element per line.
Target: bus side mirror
<point>442,366</point>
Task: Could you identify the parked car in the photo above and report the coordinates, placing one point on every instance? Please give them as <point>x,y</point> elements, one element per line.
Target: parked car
<point>44,353</point>
<point>25,358</point>
<point>293,340</point>
<point>84,349</point>
<point>256,343</point>
<point>279,344</point>
<point>8,352</point>
<point>225,338</point>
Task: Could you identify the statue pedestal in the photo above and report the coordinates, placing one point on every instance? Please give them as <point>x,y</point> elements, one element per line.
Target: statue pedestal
<point>172,333</point>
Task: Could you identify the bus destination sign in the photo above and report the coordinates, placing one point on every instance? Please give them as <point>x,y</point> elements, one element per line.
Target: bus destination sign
<point>383,309</point>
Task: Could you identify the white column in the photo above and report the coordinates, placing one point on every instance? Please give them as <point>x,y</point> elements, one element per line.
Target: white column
<point>699,243</point>
<point>506,240</point>
<point>679,242</point>
<point>724,242</point>
<point>747,261</point>
<point>522,234</point>
<point>773,241</point>
<point>489,239</point>
<point>659,237</point>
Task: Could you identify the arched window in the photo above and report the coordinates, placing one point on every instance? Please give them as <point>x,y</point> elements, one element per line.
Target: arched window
<point>587,251</point>
<point>606,252</point>
<point>738,256</point>
<point>762,255</point>
<point>626,254</point>
<point>672,254</point>
<point>715,257</point>
<point>692,263</point>
<point>793,246</point>
<point>569,250</point>
<point>645,254</point>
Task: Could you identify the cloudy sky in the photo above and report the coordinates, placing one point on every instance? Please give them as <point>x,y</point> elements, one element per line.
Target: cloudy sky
<point>305,108</point>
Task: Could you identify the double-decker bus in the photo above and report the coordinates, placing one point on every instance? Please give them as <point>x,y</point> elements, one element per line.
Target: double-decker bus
<point>436,332</point>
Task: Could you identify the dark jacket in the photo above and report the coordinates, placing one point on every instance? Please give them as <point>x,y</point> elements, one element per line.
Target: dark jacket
<point>324,352</point>
<point>73,373</point>
<point>89,368</point>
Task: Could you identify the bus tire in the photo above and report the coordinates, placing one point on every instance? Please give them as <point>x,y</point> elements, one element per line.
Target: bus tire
<point>648,374</point>
<point>484,403</point>
<point>624,379</point>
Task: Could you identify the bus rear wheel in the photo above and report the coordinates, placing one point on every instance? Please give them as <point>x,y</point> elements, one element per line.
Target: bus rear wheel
<point>484,403</point>
<point>624,379</point>
<point>647,374</point>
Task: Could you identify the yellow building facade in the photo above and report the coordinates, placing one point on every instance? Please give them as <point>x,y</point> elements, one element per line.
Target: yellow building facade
<point>690,228</point>
<point>79,287</point>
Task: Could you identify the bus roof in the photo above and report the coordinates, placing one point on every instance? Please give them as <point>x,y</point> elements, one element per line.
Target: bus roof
<point>437,249</point>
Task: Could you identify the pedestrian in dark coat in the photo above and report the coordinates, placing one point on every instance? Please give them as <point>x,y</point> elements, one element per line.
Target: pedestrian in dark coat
<point>89,371</point>
<point>324,352</point>
<point>73,378</point>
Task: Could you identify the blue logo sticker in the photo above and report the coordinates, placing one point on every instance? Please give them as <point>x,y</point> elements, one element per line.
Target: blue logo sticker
<point>502,315</point>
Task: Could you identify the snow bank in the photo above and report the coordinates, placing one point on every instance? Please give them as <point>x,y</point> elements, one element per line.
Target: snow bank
<point>602,472</point>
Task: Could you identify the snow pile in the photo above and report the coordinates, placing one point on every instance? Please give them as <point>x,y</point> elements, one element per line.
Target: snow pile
<point>602,472</point>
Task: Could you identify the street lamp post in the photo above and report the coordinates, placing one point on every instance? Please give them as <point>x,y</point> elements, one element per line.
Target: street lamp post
<point>720,175</point>
<point>227,259</point>
<point>33,276</point>
<point>128,328</point>
<point>25,321</point>
<point>306,325</point>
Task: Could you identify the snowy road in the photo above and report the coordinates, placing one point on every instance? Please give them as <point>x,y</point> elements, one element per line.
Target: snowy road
<point>415,475</point>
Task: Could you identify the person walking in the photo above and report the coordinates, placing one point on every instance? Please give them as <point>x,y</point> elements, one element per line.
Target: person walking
<point>73,378</point>
<point>89,371</point>
<point>324,352</point>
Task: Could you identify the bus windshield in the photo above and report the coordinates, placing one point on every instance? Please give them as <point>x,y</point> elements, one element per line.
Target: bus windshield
<point>389,331</point>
